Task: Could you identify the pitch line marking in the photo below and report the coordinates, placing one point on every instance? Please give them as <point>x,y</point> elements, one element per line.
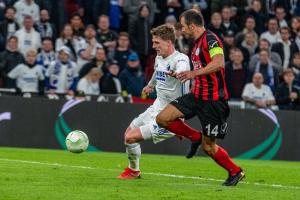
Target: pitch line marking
<point>150,173</point>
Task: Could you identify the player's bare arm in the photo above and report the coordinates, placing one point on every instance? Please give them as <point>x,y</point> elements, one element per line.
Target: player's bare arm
<point>215,65</point>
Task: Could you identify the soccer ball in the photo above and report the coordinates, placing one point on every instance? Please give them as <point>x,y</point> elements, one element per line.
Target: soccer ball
<point>77,141</point>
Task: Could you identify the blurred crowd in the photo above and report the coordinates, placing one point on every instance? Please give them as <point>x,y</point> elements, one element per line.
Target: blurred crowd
<point>104,46</point>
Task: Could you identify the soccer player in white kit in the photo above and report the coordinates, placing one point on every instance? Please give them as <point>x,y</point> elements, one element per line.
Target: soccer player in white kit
<point>168,88</point>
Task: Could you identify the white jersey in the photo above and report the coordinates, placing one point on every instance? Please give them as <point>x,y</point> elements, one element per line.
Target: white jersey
<point>23,9</point>
<point>169,88</point>
<point>81,46</point>
<point>88,87</point>
<point>27,78</point>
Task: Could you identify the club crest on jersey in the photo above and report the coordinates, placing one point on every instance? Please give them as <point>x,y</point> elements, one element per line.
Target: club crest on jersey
<point>197,51</point>
<point>168,67</point>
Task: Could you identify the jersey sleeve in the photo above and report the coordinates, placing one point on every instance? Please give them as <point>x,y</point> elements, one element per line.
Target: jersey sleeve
<point>270,95</point>
<point>182,64</point>
<point>246,91</point>
<point>214,45</point>
<point>15,73</point>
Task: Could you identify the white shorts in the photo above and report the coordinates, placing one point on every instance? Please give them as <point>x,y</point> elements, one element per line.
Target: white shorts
<point>149,129</point>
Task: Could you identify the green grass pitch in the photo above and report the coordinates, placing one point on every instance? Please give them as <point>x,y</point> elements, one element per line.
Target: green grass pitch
<point>30,174</point>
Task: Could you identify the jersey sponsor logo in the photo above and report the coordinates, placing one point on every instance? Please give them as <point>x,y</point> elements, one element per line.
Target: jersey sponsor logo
<point>161,76</point>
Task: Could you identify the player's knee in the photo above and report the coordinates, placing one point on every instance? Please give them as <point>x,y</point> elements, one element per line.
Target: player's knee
<point>161,121</point>
<point>129,139</point>
<point>208,149</point>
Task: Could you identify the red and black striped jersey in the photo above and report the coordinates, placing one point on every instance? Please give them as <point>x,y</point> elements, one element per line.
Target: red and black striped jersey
<point>211,87</point>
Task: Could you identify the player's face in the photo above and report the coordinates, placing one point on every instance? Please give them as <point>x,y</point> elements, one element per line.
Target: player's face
<point>31,57</point>
<point>100,55</point>
<point>186,30</point>
<point>47,46</point>
<point>161,46</point>
<point>64,57</point>
<point>258,79</point>
<point>289,78</point>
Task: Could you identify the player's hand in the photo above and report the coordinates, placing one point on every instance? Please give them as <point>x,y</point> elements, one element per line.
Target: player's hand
<point>148,89</point>
<point>185,76</point>
<point>171,73</point>
<point>293,96</point>
<point>261,104</point>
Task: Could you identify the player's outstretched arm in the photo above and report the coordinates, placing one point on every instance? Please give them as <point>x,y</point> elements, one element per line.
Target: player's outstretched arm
<point>215,65</point>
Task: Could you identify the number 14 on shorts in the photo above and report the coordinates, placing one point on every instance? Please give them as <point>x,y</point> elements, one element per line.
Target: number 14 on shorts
<point>216,130</point>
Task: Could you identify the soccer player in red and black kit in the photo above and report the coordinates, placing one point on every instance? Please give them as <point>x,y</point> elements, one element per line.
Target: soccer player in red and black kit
<point>207,99</point>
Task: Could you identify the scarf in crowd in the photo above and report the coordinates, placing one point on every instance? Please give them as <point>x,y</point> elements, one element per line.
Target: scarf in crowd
<point>45,29</point>
<point>270,78</point>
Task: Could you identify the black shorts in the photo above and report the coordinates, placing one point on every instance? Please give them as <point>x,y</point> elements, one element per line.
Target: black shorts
<point>212,114</point>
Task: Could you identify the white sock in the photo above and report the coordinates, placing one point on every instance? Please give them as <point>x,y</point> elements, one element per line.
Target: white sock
<point>134,154</point>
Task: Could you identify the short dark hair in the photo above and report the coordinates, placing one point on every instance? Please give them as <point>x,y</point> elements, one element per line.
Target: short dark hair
<point>285,28</point>
<point>10,8</point>
<point>165,32</point>
<point>46,39</point>
<point>12,38</point>
<point>123,34</point>
<point>193,16</point>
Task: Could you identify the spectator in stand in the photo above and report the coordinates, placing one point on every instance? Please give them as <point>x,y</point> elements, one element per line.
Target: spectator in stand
<point>295,26</point>
<point>139,32</point>
<point>175,7</point>
<point>132,7</point>
<point>27,8</point>
<point>115,14</point>
<point>47,54</point>
<point>131,77</point>
<point>3,5</point>
<point>259,16</point>
<point>248,28</point>
<point>171,20</point>
<point>274,57</point>
<point>257,94</point>
<point>249,44</point>
<point>236,75</point>
<point>280,16</point>
<point>28,38</point>
<point>283,47</point>
<point>44,27</point>
<point>68,39</point>
<point>105,36</point>
<point>110,83</point>
<point>295,65</point>
<point>9,59</point>
<point>8,27</point>
<point>228,43</point>
<point>287,93</point>
<point>61,76</point>
<point>295,46</point>
<point>272,34</point>
<point>266,68</point>
<point>77,25</point>
<point>215,24</point>
<point>90,83</point>
<point>72,7</point>
<point>28,75</point>
<point>227,24</point>
<point>87,47</point>
<point>92,9</point>
<point>181,43</point>
<point>123,50</point>
<point>202,4</point>
<point>98,62</point>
